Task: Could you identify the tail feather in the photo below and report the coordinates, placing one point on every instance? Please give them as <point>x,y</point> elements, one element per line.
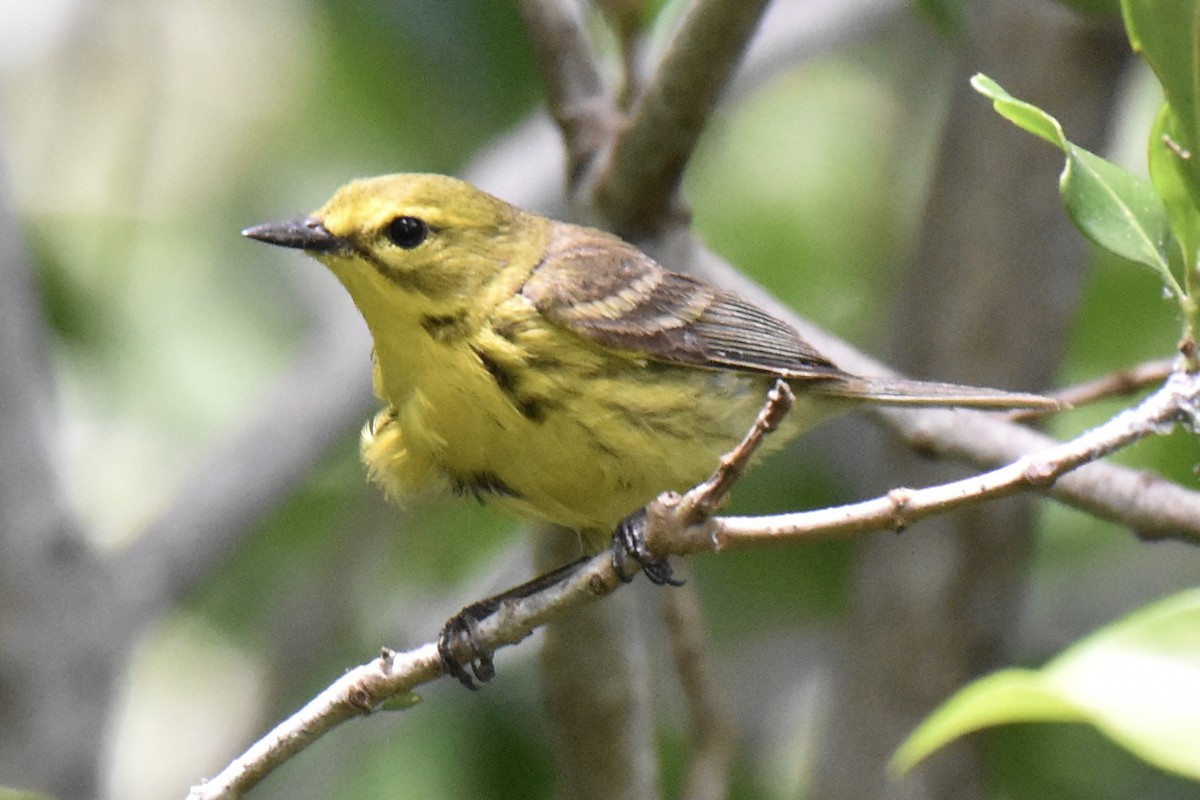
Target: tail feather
<point>903,392</point>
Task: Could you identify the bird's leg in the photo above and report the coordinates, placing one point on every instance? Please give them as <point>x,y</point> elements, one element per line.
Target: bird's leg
<point>463,655</point>
<point>629,542</point>
<point>629,538</point>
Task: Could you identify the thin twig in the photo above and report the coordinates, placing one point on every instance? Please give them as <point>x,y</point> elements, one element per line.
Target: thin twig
<point>575,90</point>
<point>395,675</point>
<point>357,692</point>
<point>704,499</point>
<point>1121,383</point>
<point>714,735</point>
<point>636,191</point>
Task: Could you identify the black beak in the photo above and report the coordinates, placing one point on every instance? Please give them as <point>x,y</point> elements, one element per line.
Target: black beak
<point>302,233</point>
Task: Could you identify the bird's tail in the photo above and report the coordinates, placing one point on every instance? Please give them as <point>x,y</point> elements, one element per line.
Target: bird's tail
<point>903,392</point>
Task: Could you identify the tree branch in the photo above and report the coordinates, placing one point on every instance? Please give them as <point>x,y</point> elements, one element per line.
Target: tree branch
<point>1120,383</point>
<point>1149,504</point>
<point>1177,401</point>
<point>395,675</point>
<point>672,529</point>
<point>636,190</point>
<point>596,692</point>
<point>33,512</point>
<point>575,91</point>
<point>54,601</point>
<point>713,733</point>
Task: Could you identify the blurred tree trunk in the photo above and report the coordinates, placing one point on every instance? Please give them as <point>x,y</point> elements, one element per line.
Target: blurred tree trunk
<point>987,300</point>
<point>61,645</point>
<point>596,692</point>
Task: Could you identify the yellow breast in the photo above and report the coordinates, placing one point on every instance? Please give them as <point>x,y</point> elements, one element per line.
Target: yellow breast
<point>548,425</point>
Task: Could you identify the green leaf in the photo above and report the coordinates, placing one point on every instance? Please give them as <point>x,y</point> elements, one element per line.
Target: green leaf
<point>1111,206</point>
<point>1167,34</point>
<point>1169,174</point>
<point>401,702</point>
<point>1117,210</point>
<point>1024,115</point>
<point>1136,681</point>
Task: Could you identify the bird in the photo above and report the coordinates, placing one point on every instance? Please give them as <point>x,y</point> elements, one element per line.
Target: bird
<point>556,370</point>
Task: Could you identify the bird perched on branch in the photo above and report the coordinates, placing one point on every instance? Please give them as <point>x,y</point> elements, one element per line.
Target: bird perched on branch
<point>553,369</point>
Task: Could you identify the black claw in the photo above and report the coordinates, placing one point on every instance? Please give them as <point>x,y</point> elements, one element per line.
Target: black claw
<point>461,633</point>
<point>629,541</point>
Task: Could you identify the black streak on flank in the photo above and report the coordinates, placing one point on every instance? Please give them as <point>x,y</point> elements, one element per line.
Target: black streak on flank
<point>444,327</point>
<point>531,408</point>
<point>481,484</point>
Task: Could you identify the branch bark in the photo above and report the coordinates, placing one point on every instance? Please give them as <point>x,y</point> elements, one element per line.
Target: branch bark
<point>575,92</point>
<point>636,190</point>
<point>900,508</point>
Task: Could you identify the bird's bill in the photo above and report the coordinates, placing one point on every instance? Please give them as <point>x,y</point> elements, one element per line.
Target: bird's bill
<point>302,233</point>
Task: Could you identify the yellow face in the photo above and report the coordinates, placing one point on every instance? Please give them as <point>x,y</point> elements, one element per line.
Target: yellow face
<point>428,234</point>
<point>369,205</point>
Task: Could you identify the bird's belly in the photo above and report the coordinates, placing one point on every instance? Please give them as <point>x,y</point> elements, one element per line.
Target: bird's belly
<point>581,457</point>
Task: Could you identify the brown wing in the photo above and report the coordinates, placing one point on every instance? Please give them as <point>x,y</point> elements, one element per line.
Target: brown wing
<point>609,291</point>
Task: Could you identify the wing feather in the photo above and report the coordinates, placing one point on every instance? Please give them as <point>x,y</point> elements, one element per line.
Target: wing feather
<point>610,292</point>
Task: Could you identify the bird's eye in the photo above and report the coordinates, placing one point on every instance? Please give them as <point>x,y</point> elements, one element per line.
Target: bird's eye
<point>406,232</point>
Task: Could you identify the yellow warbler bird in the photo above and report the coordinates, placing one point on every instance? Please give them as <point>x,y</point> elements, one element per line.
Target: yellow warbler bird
<point>554,369</point>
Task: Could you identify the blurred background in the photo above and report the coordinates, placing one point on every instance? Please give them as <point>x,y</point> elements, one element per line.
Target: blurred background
<point>138,138</point>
